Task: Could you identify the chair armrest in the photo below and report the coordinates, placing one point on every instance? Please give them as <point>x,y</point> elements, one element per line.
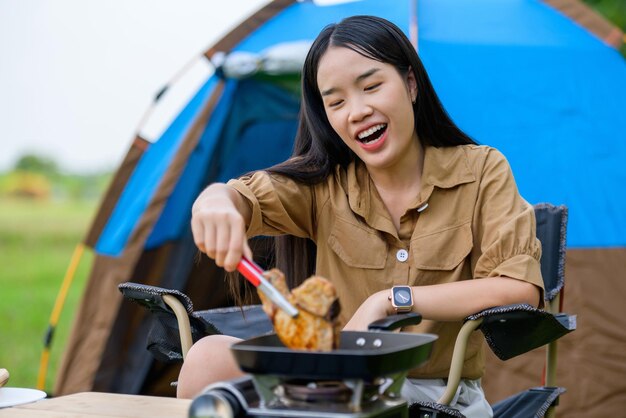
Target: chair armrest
<point>510,331</point>
<point>175,326</point>
<point>534,402</point>
<point>516,329</point>
<point>151,297</point>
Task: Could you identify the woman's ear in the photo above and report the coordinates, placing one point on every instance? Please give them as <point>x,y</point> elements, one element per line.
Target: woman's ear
<point>411,84</point>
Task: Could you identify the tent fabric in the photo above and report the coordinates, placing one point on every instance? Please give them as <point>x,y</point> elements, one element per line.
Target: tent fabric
<point>258,19</point>
<point>515,74</point>
<point>147,176</point>
<point>538,70</point>
<point>115,189</point>
<point>181,196</point>
<point>137,366</point>
<point>591,361</point>
<point>91,328</point>
<point>98,310</point>
<point>445,34</point>
<point>243,105</point>
<point>141,186</point>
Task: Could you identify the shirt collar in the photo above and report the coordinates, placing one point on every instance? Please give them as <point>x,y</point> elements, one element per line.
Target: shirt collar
<point>444,167</point>
<point>359,188</point>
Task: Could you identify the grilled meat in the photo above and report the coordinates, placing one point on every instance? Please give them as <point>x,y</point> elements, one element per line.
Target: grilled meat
<point>316,327</point>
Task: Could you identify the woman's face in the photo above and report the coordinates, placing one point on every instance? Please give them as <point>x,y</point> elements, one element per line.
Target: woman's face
<point>369,104</point>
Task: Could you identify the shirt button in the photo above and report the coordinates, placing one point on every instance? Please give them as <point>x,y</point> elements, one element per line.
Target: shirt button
<point>402,255</point>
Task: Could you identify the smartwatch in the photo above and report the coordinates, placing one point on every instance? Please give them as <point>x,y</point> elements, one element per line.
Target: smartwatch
<point>401,298</point>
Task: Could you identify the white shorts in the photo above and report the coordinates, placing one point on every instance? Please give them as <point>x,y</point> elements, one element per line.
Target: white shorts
<point>469,398</point>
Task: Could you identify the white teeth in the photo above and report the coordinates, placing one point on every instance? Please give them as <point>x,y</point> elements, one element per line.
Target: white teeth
<point>371,130</point>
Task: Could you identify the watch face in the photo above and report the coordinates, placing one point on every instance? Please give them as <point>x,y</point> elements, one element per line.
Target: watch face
<point>402,296</point>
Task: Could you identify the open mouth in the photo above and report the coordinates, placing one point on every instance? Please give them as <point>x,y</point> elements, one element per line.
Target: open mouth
<point>372,134</point>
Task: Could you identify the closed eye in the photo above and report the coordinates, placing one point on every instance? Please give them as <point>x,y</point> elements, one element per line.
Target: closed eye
<point>335,103</point>
<point>372,86</point>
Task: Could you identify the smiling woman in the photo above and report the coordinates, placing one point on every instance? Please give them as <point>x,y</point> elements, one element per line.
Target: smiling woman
<point>369,105</point>
<point>393,194</point>
<point>368,102</point>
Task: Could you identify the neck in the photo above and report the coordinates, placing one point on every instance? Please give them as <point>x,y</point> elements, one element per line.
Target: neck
<point>398,187</point>
<point>404,176</point>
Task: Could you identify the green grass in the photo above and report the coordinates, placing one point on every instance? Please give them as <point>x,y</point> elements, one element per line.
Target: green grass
<point>37,240</point>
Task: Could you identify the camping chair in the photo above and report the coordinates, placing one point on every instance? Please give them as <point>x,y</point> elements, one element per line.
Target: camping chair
<point>516,329</point>
<point>509,330</point>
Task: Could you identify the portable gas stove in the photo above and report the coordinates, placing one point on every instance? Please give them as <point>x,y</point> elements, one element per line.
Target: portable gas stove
<point>361,379</point>
<point>270,397</point>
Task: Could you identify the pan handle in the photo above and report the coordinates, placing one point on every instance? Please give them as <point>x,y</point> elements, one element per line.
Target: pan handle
<point>396,321</point>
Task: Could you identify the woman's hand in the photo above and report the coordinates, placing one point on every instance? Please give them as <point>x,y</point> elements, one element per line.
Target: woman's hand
<point>218,223</point>
<point>375,307</point>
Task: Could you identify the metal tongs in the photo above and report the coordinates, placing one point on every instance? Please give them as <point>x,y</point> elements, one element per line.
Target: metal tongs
<point>254,274</point>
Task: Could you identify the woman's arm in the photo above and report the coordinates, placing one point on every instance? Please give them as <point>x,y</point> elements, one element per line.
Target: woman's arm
<point>218,222</point>
<point>450,301</point>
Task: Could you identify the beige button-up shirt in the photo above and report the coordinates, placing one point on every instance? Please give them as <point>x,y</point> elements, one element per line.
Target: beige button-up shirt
<point>467,222</point>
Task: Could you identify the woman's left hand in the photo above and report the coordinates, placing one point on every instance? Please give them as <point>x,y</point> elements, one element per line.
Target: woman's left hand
<point>375,307</point>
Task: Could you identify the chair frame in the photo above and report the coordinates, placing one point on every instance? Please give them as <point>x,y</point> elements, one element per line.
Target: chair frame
<point>552,300</point>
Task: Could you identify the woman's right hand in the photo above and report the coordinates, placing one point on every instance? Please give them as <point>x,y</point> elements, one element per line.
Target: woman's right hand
<point>219,226</point>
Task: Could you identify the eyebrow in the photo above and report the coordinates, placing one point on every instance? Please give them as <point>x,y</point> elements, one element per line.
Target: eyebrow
<point>358,79</point>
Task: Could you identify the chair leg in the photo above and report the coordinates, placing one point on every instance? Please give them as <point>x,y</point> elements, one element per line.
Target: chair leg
<point>551,356</point>
<point>550,377</point>
<point>551,353</point>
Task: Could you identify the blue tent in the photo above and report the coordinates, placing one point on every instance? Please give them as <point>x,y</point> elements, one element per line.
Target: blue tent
<point>519,75</point>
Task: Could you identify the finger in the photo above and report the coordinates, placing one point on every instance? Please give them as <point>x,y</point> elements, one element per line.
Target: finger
<point>222,241</point>
<point>209,240</point>
<point>236,244</point>
<point>247,251</point>
<point>197,231</point>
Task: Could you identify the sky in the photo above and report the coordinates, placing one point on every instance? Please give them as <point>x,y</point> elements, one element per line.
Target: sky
<point>76,76</point>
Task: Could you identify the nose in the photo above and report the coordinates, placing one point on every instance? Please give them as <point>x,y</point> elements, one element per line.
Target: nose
<point>359,109</point>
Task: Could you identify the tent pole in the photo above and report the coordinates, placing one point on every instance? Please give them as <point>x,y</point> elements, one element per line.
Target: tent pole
<point>56,313</point>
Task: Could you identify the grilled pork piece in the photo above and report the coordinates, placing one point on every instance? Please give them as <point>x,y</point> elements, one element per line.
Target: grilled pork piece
<point>316,327</point>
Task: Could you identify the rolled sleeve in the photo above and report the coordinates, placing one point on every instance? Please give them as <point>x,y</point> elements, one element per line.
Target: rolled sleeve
<point>256,218</point>
<point>506,226</point>
<point>522,267</point>
<point>279,205</point>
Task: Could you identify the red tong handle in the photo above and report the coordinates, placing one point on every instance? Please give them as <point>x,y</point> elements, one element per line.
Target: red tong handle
<point>254,274</point>
<point>250,271</point>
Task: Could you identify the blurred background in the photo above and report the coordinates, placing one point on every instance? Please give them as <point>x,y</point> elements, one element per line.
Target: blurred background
<point>76,77</point>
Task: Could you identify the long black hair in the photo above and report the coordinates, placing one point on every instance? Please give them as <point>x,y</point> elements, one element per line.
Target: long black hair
<point>318,149</point>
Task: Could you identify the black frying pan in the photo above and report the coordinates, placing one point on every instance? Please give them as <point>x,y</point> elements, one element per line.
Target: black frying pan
<point>361,354</point>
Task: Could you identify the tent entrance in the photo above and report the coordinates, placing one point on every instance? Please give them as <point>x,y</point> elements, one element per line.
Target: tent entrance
<point>258,129</point>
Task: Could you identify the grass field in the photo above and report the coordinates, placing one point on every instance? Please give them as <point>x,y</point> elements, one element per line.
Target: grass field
<point>36,244</point>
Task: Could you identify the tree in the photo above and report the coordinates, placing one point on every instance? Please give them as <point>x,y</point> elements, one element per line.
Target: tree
<point>612,10</point>
<point>37,164</point>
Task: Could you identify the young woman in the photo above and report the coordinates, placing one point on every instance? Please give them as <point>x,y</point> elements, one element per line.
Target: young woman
<point>392,193</point>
